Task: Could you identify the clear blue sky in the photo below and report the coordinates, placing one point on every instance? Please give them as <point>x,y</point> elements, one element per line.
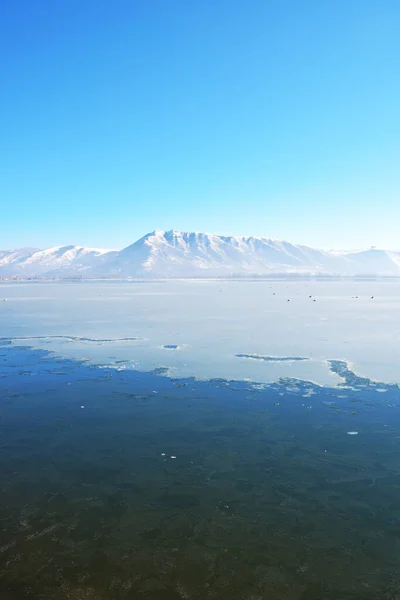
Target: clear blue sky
<point>278,118</point>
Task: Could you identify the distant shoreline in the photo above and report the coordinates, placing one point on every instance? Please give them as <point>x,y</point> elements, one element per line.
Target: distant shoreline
<point>275,277</point>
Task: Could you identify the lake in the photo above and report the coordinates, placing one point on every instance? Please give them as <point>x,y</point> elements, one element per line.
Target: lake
<point>200,439</point>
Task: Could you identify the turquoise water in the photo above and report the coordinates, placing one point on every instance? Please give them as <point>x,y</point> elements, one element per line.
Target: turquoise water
<point>269,496</point>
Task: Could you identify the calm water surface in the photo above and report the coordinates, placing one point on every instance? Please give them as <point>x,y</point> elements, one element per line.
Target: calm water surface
<point>118,484</point>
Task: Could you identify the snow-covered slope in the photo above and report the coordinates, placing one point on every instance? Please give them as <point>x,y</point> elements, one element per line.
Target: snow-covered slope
<point>60,261</point>
<point>10,259</point>
<point>178,254</point>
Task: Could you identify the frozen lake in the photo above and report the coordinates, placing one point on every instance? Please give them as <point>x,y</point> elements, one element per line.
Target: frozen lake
<point>207,329</point>
<point>118,483</point>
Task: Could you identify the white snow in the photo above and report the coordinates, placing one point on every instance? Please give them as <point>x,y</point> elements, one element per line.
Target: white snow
<point>164,254</point>
<point>58,261</point>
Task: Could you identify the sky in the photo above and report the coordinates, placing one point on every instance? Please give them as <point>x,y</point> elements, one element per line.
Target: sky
<point>275,118</point>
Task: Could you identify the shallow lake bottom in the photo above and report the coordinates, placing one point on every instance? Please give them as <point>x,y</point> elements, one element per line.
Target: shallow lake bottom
<point>120,484</point>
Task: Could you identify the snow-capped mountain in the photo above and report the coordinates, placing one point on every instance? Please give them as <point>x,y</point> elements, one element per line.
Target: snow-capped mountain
<point>178,254</point>
<point>60,261</point>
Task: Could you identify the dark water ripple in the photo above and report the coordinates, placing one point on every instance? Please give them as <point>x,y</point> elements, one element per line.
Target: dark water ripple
<point>268,497</point>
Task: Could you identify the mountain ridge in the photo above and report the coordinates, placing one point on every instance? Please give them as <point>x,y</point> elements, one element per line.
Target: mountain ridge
<point>174,254</point>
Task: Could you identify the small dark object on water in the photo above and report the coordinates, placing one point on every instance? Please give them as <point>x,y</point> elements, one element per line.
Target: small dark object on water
<point>371,297</point>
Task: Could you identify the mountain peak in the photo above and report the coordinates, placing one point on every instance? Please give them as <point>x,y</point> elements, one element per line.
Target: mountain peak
<point>175,253</point>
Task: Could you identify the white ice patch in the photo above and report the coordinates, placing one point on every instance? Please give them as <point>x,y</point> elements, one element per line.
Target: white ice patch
<point>135,319</point>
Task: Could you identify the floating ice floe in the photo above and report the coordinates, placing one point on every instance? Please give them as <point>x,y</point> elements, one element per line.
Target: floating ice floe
<point>271,358</point>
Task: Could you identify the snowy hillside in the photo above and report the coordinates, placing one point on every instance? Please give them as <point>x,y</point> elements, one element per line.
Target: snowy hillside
<point>60,261</point>
<point>177,254</point>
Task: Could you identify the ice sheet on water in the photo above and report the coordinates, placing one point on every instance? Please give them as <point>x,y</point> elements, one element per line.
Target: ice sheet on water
<point>74,338</point>
<point>271,358</point>
<point>141,320</point>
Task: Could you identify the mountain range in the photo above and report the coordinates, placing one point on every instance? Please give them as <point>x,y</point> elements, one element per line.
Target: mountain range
<point>175,254</point>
